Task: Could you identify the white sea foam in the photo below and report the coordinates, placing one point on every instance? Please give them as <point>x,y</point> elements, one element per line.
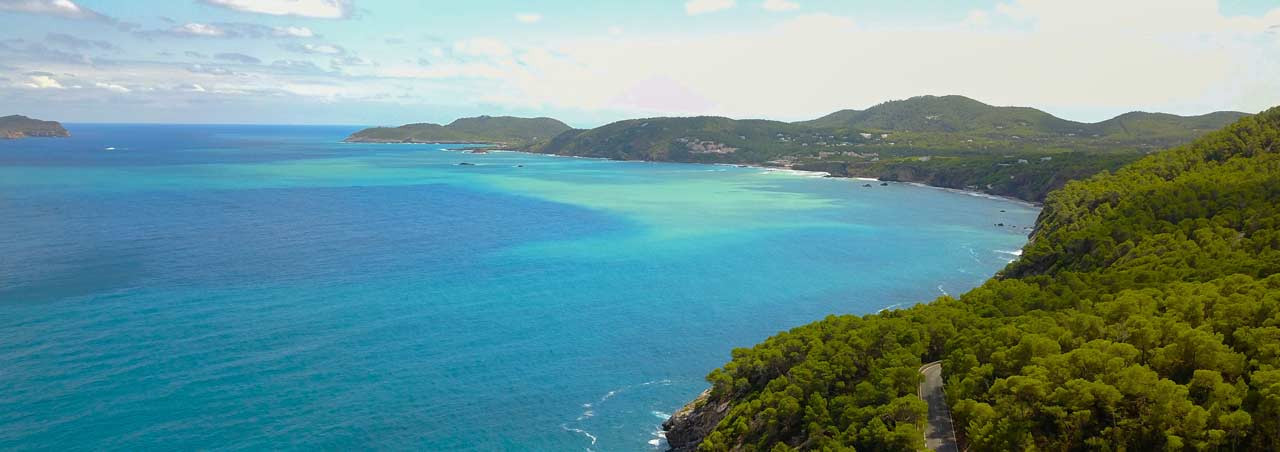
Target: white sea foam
<point>581,431</point>
<point>977,194</point>
<point>588,409</point>
<point>1011,253</point>
<point>795,172</point>
<point>944,292</point>
<point>659,439</point>
<point>973,254</point>
<point>609,395</point>
<point>889,307</point>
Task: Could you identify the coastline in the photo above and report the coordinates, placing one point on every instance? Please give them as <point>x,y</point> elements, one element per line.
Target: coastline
<point>806,173</point>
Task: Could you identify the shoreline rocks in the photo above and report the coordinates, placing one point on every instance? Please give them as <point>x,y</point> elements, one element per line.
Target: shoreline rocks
<point>686,428</point>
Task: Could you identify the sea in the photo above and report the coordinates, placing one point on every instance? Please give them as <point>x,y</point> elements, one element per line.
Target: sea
<point>237,287</point>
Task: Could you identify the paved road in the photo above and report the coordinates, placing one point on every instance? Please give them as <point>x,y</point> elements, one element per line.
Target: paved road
<point>939,434</point>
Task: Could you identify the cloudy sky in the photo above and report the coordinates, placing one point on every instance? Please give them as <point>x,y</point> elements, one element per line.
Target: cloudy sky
<point>590,62</point>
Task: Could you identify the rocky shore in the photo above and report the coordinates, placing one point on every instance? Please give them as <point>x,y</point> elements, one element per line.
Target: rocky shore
<point>687,427</point>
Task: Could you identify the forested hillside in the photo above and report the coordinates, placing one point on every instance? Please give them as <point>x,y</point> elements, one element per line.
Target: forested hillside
<point>1143,315</point>
<point>947,141</point>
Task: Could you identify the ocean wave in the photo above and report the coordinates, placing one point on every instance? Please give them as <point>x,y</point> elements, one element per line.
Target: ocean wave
<point>795,172</point>
<point>944,292</point>
<point>1011,253</point>
<point>973,254</point>
<point>889,307</point>
<point>567,428</point>
<point>977,194</point>
<point>659,439</point>
<point>588,409</point>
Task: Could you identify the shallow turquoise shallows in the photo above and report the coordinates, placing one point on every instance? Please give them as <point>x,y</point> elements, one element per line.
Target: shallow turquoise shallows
<point>252,287</point>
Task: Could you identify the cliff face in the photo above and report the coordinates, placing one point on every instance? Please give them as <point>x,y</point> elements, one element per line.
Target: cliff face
<point>17,126</point>
<point>687,427</point>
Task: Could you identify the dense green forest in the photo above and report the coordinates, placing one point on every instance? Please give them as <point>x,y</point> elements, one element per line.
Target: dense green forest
<point>948,141</point>
<point>498,130</point>
<point>1144,314</point>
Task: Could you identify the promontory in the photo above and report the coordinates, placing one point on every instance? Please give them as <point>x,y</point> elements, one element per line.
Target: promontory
<point>18,126</point>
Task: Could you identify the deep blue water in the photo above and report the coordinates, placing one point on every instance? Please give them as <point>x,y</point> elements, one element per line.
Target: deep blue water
<point>248,287</point>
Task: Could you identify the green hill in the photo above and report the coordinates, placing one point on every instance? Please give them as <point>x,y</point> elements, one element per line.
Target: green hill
<point>498,130</point>
<point>962,115</point>
<point>947,114</point>
<point>1144,314</point>
<point>696,139</point>
<point>948,141</point>
<point>18,126</point>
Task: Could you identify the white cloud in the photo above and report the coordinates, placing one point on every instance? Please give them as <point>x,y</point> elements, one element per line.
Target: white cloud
<point>321,9</point>
<point>315,49</point>
<point>978,18</point>
<point>1045,56</point>
<point>60,8</point>
<point>695,7</point>
<point>779,5</point>
<point>1184,58</point>
<point>199,29</point>
<point>616,30</point>
<point>528,18</point>
<point>313,90</point>
<point>112,87</point>
<point>42,82</point>
<point>482,47</point>
<point>1136,16</point>
<point>295,32</point>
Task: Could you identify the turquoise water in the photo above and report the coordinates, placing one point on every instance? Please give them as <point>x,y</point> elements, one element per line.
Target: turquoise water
<point>251,287</point>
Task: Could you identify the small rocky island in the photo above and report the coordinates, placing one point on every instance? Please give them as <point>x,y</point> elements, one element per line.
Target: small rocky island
<point>499,131</point>
<point>18,126</point>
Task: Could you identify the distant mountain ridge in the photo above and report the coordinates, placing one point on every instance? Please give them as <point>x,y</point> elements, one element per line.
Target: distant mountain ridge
<point>499,130</point>
<point>959,114</point>
<point>947,141</point>
<point>18,126</point>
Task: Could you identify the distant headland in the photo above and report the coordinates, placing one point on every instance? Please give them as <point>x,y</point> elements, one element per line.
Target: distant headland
<point>501,131</point>
<point>18,126</point>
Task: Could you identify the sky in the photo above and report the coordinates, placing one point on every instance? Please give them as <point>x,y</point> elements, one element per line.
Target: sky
<point>590,62</point>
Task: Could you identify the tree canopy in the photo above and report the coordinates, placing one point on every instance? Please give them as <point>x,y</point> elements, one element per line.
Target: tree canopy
<point>1144,314</point>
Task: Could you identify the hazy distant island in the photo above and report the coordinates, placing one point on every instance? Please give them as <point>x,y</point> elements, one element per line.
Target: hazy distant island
<point>500,131</point>
<point>18,126</point>
<point>944,141</point>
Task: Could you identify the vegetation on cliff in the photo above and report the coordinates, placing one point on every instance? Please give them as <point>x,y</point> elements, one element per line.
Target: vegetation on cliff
<point>499,130</point>
<point>1144,314</point>
<point>18,126</point>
